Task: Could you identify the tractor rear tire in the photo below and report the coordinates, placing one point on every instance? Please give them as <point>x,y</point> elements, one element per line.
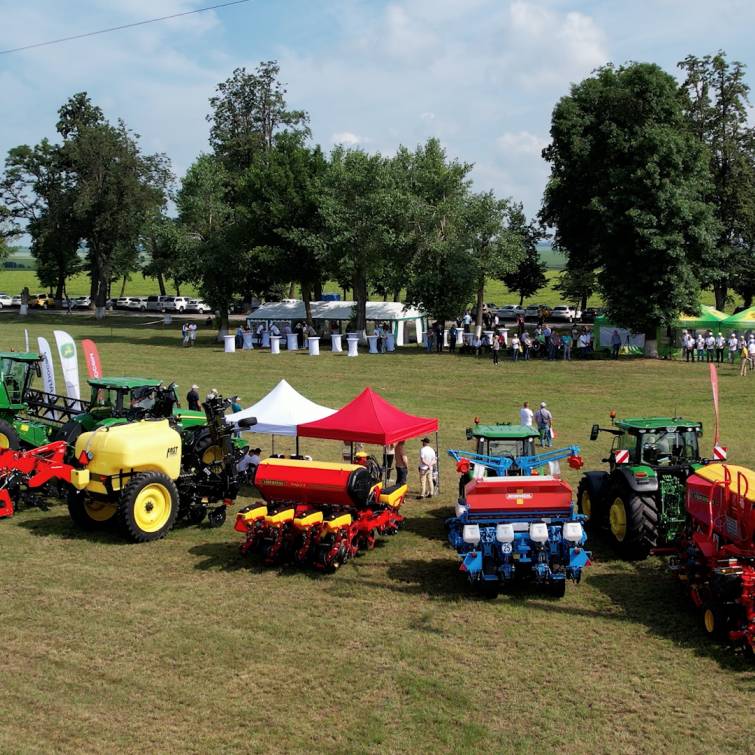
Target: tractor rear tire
<point>89,514</point>
<point>9,436</point>
<point>557,588</point>
<point>628,521</point>
<point>148,507</point>
<point>715,621</point>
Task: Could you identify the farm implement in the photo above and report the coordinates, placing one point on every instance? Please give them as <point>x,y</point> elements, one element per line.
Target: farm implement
<point>317,513</point>
<point>519,529</point>
<point>715,557</point>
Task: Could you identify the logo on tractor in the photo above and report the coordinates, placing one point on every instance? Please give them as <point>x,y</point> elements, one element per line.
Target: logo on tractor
<point>519,496</point>
<point>621,456</point>
<point>172,451</point>
<point>67,350</point>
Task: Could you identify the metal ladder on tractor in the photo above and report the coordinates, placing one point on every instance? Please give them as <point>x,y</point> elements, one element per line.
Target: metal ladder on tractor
<point>52,407</point>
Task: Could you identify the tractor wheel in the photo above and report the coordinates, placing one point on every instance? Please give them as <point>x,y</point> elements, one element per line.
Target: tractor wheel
<point>89,514</point>
<point>715,621</point>
<point>69,432</point>
<point>206,451</point>
<point>557,588</point>
<point>197,514</point>
<point>8,436</point>
<point>626,524</point>
<point>216,517</point>
<point>148,507</point>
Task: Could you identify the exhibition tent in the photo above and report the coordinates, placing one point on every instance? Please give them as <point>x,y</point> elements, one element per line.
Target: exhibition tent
<point>743,319</point>
<point>281,411</point>
<point>369,418</point>
<point>709,317</point>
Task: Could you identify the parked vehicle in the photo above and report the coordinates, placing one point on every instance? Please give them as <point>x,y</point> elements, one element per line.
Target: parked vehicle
<point>197,305</point>
<point>156,303</point>
<point>5,301</point>
<point>510,312</point>
<point>176,303</point>
<point>535,311</point>
<point>591,313</point>
<point>137,303</point>
<point>566,313</point>
<point>15,301</point>
<point>82,302</point>
<point>41,301</point>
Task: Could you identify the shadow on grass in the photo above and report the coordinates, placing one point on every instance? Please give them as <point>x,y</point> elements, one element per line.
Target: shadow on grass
<point>63,527</point>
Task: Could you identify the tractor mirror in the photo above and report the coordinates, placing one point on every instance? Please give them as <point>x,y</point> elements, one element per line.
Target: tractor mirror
<point>594,432</point>
<point>37,370</point>
<point>469,433</point>
<point>247,422</point>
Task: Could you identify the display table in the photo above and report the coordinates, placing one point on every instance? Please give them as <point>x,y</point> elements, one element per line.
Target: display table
<point>314,346</point>
<point>248,340</point>
<point>292,342</point>
<point>390,342</point>
<point>275,344</point>
<point>335,342</point>
<point>230,344</point>
<point>372,341</point>
<point>265,339</point>
<point>353,343</point>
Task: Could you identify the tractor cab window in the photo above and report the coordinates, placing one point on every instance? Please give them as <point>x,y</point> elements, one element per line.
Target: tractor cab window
<point>106,400</point>
<point>142,399</point>
<point>626,442</point>
<point>669,447</point>
<point>13,375</point>
<point>509,447</point>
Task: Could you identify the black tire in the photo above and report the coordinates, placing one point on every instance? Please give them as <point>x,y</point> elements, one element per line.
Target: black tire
<point>716,621</point>
<point>557,588</point>
<point>216,517</point>
<point>197,514</point>
<point>590,500</point>
<point>69,432</point>
<point>89,514</point>
<point>146,493</point>
<point>9,436</point>
<point>628,524</point>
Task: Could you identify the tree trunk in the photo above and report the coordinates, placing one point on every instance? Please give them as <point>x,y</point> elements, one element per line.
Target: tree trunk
<point>222,322</point>
<point>292,290</point>
<point>123,286</point>
<point>747,299</point>
<point>583,302</point>
<point>480,298</point>
<point>60,287</point>
<point>161,283</point>
<point>721,291</point>
<point>521,300</point>
<point>306,296</point>
<point>396,294</point>
<point>317,290</point>
<point>360,296</point>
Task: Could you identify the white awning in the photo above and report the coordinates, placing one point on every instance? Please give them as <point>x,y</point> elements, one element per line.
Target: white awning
<point>281,411</point>
<point>335,310</point>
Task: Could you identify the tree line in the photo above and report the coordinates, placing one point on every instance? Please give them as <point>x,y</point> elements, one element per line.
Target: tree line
<point>650,198</point>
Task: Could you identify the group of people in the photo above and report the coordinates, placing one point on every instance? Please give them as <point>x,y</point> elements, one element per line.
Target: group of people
<point>188,333</point>
<point>427,467</point>
<point>542,419</point>
<point>707,347</point>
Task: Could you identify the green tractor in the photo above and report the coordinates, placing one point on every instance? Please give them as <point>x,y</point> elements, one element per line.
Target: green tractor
<point>503,440</point>
<point>640,499</point>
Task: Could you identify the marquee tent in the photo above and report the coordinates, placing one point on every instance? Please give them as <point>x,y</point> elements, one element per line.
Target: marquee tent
<point>369,418</point>
<point>709,317</point>
<point>744,319</point>
<point>281,411</point>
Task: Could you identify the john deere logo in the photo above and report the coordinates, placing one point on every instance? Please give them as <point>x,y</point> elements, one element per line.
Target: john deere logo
<point>67,350</point>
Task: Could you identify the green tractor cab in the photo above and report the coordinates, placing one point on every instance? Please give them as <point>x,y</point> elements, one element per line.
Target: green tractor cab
<point>503,440</point>
<point>640,499</point>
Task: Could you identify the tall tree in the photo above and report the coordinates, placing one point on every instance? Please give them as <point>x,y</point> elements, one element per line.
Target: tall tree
<point>528,276</point>
<point>716,105</point>
<point>626,194</point>
<point>169,249</point>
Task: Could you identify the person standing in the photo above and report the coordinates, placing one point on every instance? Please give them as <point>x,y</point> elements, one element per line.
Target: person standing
<point>526,345</point>
<point>744,360</point>
<point>192,333</point>
<point>720,343</point>
<point>467,321</point>
<point>733,347</point>
<point>526,415</point>
<point>615,344</point>
<point>566,340</point>
<point>185,334</point>
<point>495,347</point>
<point>427,462</point>
<point>683,339</point>
<point>402,463</point>
<point>544,421</point>
<point>192,399</point>
<point>515,346</point>
<point>751,352</point>
<point>452,339</point>
<point>438,328</point>
<point>389,455</point>
<point>710,347</point>
<point>690,347</point>
<point>700,346</point>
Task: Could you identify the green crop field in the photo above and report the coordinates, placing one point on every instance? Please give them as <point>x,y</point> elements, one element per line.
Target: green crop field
<point>180,645</point>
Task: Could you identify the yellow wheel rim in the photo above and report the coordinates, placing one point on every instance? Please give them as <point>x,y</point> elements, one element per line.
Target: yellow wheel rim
<point>212,455</point>
<point>586,503</point>
<point>710,621</point>
<point>152,508</point>
<point>4,442</point>
<point>618,519</point>
<point>99,512</point>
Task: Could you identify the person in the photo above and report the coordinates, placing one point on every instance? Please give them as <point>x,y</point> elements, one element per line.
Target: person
<point>476,344</point>
<point>275,330</point>
<point>452,339</point>
<point>249,462</point>
<point>583,343</point>
<point>526,416</point>
<point>429,341</point>
<point>720,343</point>
<point>192,333</point>
<point>520,325</point>
<point>247,338</point>
<point>402,463</point>
<point>239,337</point>
<point>185,334</point>
<point>683,339</point>
<point>700,346</point>
<point>615,344</point>
<point>516,345</point>
<point>744,360</point>
<point>555,343</point>
<point>495,348</point>
<point>526,345</point>
<point>690,347</point>
<point>467,319</point>
<point>751,352</point>
<point>566,340</point>
<point>427,463</point>
<point>299,328</point>
<point>710,346</point>
<point>438,329</point>
<point>544,421</point>
<point>389,455</point>
<point>235,405</point>
<point>192,398</point>
<point>733,347</point>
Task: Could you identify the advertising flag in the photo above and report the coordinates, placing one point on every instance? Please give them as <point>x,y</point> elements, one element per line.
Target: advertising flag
<point>714,386</point>
<point>69,363</point>
<point>92,358</point>
<point>48,369</point>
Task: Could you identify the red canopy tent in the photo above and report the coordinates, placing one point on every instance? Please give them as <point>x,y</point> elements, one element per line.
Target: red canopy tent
<point>369,418</point>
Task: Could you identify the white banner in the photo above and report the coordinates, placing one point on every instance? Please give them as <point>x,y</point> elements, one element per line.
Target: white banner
<point>48,368</point>
<point>26,339</point>
<point>68,362</point>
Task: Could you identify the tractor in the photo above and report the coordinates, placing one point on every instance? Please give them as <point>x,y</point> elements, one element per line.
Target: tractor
<point>640,499</point>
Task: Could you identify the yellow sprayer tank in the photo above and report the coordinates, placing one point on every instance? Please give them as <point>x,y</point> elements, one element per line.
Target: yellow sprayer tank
<point>147,446</point>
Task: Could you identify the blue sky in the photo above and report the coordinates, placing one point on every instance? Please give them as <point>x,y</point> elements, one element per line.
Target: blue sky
<point>482,75</point>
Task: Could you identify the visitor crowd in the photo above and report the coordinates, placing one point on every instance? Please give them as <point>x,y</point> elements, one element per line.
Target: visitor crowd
<point>718,349</point>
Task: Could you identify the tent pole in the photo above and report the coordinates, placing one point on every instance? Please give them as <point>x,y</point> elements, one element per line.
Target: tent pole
<point>272,453</point>
<point>351,456</point>
<point>437,456</point>
<point>297,445</point>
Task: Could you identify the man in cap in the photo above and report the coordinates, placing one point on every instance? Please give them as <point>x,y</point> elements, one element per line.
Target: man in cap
<point>544,421</point>
<point>720,343</point>
<point>733,347</point>
<point>710,346</point>
<point>427,463</point>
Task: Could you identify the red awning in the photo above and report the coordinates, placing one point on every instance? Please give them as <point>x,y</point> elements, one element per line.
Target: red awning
<point>369,418</point>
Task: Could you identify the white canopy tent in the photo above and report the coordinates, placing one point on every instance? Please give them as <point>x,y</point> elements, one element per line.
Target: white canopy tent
<point>281,411</point>
<point>395,313</point>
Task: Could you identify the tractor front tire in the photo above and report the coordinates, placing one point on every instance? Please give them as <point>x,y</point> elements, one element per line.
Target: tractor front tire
<point>148,507</point>
<point>557,588</point>
<point>89,514</point>
<point>9,436</point>
<point>627,524</point>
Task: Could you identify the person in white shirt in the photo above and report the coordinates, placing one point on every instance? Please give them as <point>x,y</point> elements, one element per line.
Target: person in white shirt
<point>427,463</point>
<point>710,346</point>
<point>275,330</point>
<point>700,344</point>
<point>751,352</point>
<point>249,462</point>
<point>690,346</point>
<point>526,415</point>
<point>733,347</point>
<point>720,343</point>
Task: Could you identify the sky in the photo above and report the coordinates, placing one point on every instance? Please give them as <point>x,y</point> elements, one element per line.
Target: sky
<point>481,75</point>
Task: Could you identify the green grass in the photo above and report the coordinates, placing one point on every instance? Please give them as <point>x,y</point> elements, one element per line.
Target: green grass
<point>181,645</point>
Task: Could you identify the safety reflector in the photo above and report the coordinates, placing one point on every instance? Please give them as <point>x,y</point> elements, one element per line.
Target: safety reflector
<point>719,452</point>
<point>621,456</point>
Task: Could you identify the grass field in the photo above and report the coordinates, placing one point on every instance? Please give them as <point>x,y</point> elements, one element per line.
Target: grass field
<point>181,646</point>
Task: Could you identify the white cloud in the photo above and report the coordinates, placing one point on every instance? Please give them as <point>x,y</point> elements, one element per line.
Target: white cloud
<point>347,139</point>
<point>522,143</point>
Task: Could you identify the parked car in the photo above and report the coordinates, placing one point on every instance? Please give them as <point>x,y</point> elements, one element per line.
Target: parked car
<point>510,312</point>
<point>41,301</point>
<point>137,303</point>
<point>81,302</point>
<point>491,307</point>
<point>156,303</point>
<point>535,311</point>
<point>197,305</point>
<point>565,312</point>
<point>121,302</point>
<point>591,313</point>
<point>15,301</point>
<point>176,303</point>
<point>5,301</point>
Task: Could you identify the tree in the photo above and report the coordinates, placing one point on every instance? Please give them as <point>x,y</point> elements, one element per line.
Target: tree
<point>577,285</point>
<point>528,277</point>
<point>247,112</point>
<point>626,194</point>
<point>169,249</point>
<point>716,105</point>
